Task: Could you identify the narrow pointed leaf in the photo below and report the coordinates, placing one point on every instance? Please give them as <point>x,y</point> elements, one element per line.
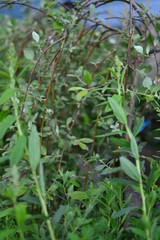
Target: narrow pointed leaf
<point>111,170</point>
<point>5,124</point>
<point>81,94</point>
<point>6,95</point>
<point>18,150</point>
<point>86,140</point>
<point>87,77</point>
<point>41,179</point>
<point>134,147</point>
<point>78,195</point>
<point>75,88</point>
<point>138,126</point>
<point>118,111</point>
<point>83,146</point>
<point>34,148</point>
<point>21,214</point>
<point>6,212</point>
<point>35,36</point>
<point>124,211</point>
<point>129,168</point>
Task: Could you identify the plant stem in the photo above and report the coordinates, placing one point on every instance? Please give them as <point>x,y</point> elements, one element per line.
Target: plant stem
<point>140,185</point>
<point>16,115</point>
<point>44,207</point>
<point>21,234</point>
<point>15,105</point>
<point>50,84</point>
<point>129,47</point>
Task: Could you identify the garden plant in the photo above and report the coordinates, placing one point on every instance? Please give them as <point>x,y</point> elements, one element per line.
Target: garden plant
<point>75,97</point>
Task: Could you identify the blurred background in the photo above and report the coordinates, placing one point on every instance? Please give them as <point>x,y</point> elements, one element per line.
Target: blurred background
<point>116,8</point>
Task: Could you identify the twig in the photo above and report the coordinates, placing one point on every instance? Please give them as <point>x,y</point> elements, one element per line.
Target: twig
<point>69,133</point>
<point>30,79</point>
<point>50,84</point>
<point>129,48</point>
<point>6,4</point>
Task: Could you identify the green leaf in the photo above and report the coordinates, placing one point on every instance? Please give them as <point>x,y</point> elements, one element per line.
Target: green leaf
<point>99,168</point>
<point>134,147</point>
<point>147,82</point>
<point>139,232</point>
<point>150,179</point>
<point>6,95</point>
<point>4,74</point>
<point>110,134</point>
<point>118,111</point>
<point>123,75</point>
<point>68,122</point>
<point>41,179</point>
<point>122,212</point>
<point>28,53</point>
<point>143,7</point>
<point>120,142</point>
<point>148,48</point>
<point>87,77</point>
<point>34,148</point>
<point>75,88</point>
<point>138,127</point>
<point>58,215</point>
<point>117,98</point>
<point>114,73</point>
<point>5,124</point>
<point>92,9</point>
<point>73,236</point>
<point>35,36</point>
<point>78,195</point>
<point>83,146</point>
<point>81,94</point>
<point>123,181</point>
<point>111,170</point>
<point>129,168</point>
<point>8,233</point>
<point>139,49</point>
<point>86,140</point>
<point>4,158</point>
<point>22,72</point>
<point>21,214</point>
<point>57,26</point>
<point>12,57</point>
<point>6,212</point>
<point>18,150</point>
<point>32,200</point>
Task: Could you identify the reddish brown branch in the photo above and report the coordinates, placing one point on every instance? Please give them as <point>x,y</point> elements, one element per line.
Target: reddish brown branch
<point>50,84</point>
<point>69,133</point>
<point>6,4</point>
<point>30,79</point>
<point>129,48</point>
<point>41,80</point>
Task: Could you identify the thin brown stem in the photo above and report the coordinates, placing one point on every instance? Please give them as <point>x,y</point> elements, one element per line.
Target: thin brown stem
<point>30,79</point>
<point>129,48</point>
<point>50,84</point>
<point>69,133</point>
<point>6,4</point>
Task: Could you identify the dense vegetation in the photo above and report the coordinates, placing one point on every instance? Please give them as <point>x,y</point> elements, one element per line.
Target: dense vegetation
<point>75,95</point>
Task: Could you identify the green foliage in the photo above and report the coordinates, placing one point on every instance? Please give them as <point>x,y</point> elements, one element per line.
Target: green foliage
<point>17,151</point>
<point>34,148</point>
<point>73,107</point>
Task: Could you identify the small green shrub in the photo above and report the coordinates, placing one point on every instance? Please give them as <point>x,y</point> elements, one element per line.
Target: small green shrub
<point>74,98</point>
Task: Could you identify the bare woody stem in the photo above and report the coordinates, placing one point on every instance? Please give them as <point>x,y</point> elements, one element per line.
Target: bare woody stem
<point>129,47</point>
<point>69,133</point>
<point>6,4</point>
<point>30,79</point>
<point>50,84</point>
